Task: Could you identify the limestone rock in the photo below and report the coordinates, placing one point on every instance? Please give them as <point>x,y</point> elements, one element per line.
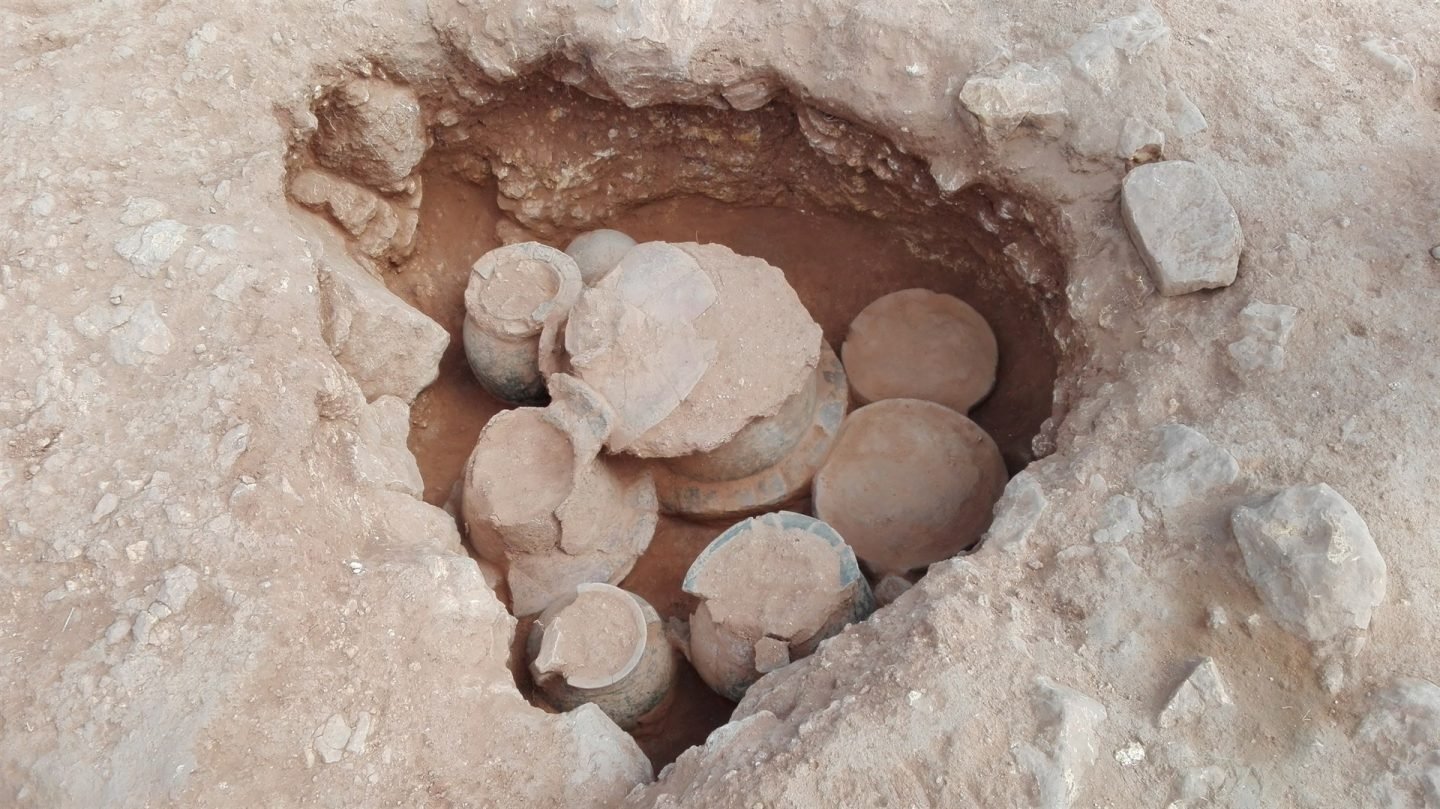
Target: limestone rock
<point>372,131</point>
<point>383,227</point>
<point>1067,746</point>
<point>1017,512</point>
<point>1403,726</point>
<point>330,739</point>
<point>388,346</point>
<point>1202,690</point>
<point>1183,225</point>
<point>1119,520</point>
<point>1021,94</point>
<point>381,456</point>
<point>1186,467</point>
<point>1266,327</point>
<point>1311,557</point>
<point>1140,142</point>
<point>1104,50</point>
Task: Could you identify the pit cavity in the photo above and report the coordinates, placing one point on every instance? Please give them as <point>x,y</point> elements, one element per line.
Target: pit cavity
<point>846,215</point>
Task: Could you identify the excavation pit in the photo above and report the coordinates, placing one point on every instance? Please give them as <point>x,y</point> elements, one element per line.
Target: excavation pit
<point>846,216</point>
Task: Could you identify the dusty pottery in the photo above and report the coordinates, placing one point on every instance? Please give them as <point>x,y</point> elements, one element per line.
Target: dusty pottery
<point>771,588</point>
<point>909,483</point>
<point>918,344</point>
<point>596,252</point>
<point>605,646</point>
<point>767,464</point>
<point>667,337</point>
<point>539,500</point>
<point>513,292</point>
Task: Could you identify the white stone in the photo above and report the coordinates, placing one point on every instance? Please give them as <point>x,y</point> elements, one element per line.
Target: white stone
<point>1266,329</point>
<point>1185,467</point>
<point>1393,63</point>
<point>232,445</point>
<point>1102,52</point>
<point>1183,226</point>
<point>140,210</point>
<point>105,507</point>
<point>1188,118</point>
<point>1020,94</point>
<point>361,734</point>
<point>1139,141</point>
<point>1130,755</point>
<point>142,337</point>
<point>1119,520</point>
<point>1201,691</point>
<point>1068,743</point>
<point>382,457</point>
<point>151,246</point>
<point>1402,728</point>
<point>1016,513</point>
<point>180,583</point>
<point>1313,561</point>
<point>331,737</point>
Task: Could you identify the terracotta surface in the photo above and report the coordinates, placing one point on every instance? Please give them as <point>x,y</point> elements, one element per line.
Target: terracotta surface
<point>918,344</point>
<point>909,483</point>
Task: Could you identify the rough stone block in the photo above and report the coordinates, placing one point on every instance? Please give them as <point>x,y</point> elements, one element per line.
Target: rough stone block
<point>388,346</point>
<point>1183,225</point>
<point>1313,561</point>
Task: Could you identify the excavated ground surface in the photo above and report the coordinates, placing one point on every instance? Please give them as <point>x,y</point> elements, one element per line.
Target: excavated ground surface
<point>223,585</point>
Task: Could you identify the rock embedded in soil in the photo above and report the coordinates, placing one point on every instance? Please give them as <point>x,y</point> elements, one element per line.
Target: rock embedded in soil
<point>918,344</point>
<point>1021,94</point>
<point>372,131</point>
<point>1312,559</point>
<point>1185,468</point>
<point>605,646</point>
<point>513,293</point>
<point>1183,225</point>
<point>388,346</point>
<point>1266,328</point>
<point>777,579</point>
<point>1202,690</point>
<point>596,252</point>
<point>909,483</point>
<point>1402,726</point>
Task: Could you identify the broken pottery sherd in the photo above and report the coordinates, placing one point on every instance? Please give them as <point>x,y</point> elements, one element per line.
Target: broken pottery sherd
<point>514,291</point>
<point>771,588</point>
<point>769,463</point>
<point>909,483</point>
<point>540,501</point>
<point>605,646</point>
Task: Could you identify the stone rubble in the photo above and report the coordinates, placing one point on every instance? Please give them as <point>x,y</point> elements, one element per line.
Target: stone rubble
<point>1312,559</point>
<point>1202,691</point>
<point>1183,225</point>
<point>1185,468</point>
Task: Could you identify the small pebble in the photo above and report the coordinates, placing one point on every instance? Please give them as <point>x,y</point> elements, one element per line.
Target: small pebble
<point>1435,252</point>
